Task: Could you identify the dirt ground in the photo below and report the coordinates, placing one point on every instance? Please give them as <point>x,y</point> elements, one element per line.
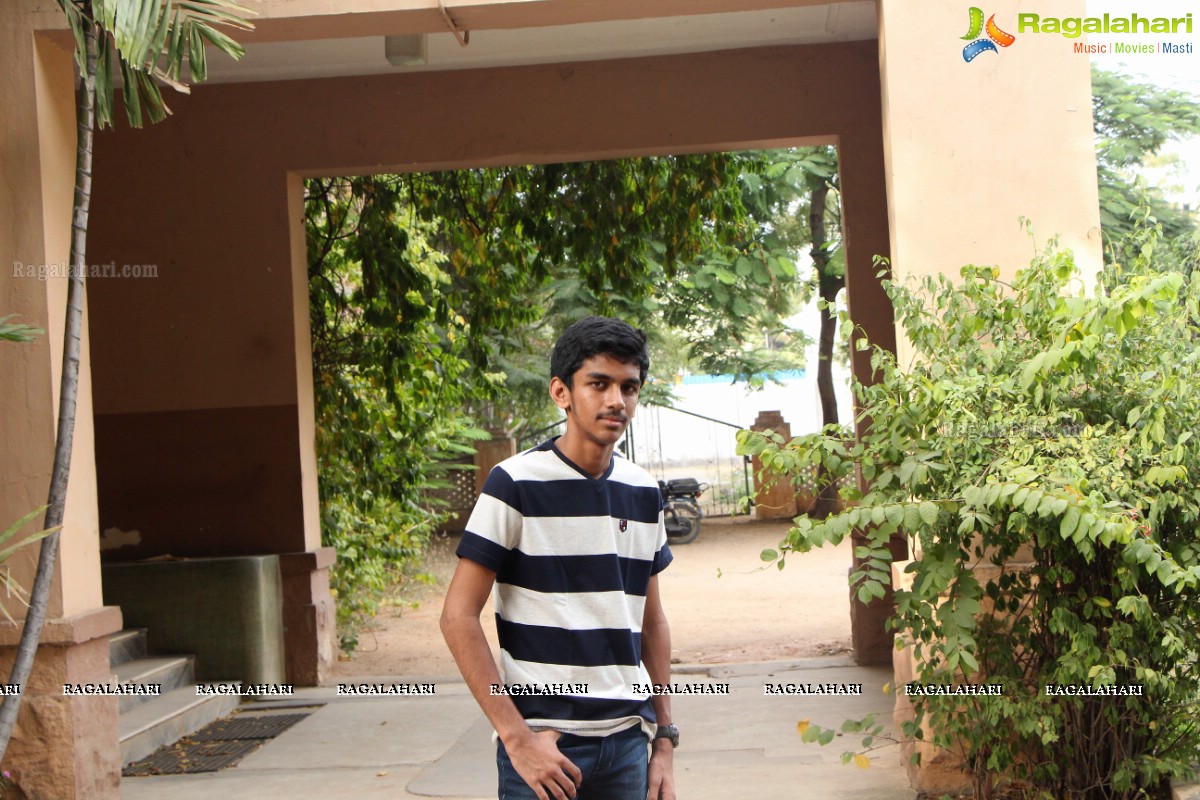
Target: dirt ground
<point>723,606</point>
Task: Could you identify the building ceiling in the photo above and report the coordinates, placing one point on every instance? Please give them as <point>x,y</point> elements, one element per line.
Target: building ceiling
<point>810,24</point>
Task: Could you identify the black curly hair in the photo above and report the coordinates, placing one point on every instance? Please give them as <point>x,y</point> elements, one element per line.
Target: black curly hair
<point>593,336</point>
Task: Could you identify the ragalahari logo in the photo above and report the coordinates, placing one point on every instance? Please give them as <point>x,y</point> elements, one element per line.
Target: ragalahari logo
<point>979,44</point>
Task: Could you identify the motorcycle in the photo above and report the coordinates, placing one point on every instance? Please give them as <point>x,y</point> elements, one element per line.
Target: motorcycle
<point>682,513</point>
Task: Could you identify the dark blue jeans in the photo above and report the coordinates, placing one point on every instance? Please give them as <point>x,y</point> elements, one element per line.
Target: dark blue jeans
<point>613,767</point>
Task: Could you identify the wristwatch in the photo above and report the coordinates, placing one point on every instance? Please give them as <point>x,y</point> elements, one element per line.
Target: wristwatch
<point>668,732</point>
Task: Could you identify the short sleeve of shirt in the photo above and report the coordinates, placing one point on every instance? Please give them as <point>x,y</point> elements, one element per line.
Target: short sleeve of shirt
<point>661,559</point>
<point>494,527</point>
<point>662,556</point>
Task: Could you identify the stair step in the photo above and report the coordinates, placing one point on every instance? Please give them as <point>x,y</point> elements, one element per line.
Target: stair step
<point>170,672</point>
<point>167,719</point>
<point>126,645</point>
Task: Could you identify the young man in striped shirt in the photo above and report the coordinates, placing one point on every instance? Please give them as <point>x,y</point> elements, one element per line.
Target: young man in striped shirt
<point>569,539</point>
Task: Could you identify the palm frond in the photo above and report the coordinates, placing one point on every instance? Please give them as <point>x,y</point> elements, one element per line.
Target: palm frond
<point>17,331</point>
<point>147,43</point>
<point>8,583</point>
<point>104,83</point>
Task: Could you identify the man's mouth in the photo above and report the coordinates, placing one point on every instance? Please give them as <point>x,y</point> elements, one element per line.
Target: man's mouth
<point>619,420</point>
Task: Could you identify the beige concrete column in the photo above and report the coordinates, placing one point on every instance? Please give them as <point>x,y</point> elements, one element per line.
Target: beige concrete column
<point>309,614</point>
<point>63,747</point>
<point>972,147</point>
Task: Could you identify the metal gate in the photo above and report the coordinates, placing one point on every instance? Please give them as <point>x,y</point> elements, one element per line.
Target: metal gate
<point>676,443</point>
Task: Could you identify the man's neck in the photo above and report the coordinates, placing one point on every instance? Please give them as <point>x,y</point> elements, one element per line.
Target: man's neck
<point>592,458</point>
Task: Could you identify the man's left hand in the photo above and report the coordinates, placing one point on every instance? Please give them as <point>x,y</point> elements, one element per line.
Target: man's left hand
<point>662,772</point>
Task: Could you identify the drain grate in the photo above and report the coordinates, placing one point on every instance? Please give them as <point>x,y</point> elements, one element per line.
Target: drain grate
<point>265,726</point>
<point>188,756</point>
<point>214,747</point>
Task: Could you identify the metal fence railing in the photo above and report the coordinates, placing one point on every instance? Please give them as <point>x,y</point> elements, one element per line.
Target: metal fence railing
<point>676,443</point>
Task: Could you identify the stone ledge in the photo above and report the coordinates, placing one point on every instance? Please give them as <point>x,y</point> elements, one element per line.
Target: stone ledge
<point>66,631</point>
<point>303,563</point>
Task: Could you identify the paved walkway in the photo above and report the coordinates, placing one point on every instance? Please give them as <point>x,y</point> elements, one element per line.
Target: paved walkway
<point>744,744</point>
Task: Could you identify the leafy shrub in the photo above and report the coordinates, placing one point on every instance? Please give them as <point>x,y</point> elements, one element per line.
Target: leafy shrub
<point>1038,457</point>
<point>390,378</point>
<point>376,482</point>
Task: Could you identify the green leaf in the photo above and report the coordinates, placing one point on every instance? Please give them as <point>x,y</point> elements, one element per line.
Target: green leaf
<point>130,93</point>
<point>17,331</point>
<point>1070,522</point>
<point>12,530</point>
<point>221,41</point>
<point>864,593</point>
<point>1046,507</point>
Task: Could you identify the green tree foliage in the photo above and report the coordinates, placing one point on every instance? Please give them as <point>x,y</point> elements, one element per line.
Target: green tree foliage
<point>1133,121</point>
<point>815,220</point>
<point>1040,459</point>
<point>435,299</point>
<point>389,360</point>
<point>726,299</point>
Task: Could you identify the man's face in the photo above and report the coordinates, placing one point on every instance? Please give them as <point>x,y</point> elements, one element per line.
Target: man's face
<point>602,398</point>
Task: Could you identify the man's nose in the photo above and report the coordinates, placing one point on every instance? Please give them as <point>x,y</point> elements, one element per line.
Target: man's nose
<point>614,398</point>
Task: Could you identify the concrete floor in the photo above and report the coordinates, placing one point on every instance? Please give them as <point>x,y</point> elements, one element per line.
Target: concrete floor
<point>744,744</point>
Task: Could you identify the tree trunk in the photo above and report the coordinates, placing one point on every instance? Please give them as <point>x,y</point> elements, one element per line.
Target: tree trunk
<point>85,88</point>
<point>827,287</point>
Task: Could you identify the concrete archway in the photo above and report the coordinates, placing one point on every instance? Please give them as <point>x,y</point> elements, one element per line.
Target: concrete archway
<point>202,376</point>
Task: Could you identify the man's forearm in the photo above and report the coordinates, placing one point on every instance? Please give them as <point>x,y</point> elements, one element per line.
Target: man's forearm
<point>470,649</point>
<point>534,756</point>
<point>656,655</point>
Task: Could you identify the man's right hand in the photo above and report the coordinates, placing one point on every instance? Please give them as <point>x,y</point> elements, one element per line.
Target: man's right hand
<point>539,762</point>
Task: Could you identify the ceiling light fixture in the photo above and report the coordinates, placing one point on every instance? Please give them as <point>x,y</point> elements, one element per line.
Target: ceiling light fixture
<point>405,50</point>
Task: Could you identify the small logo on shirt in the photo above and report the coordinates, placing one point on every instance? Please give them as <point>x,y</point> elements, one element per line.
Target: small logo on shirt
<point>624,525</point>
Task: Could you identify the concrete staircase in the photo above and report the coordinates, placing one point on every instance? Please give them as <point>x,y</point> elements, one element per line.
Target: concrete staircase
<point>149,722</point>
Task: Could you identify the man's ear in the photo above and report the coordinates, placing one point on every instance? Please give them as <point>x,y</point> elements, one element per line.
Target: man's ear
<point>560,393</point>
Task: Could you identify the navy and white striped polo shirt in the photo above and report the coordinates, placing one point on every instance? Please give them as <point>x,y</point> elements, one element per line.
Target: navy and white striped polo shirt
<point>573,557</point>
